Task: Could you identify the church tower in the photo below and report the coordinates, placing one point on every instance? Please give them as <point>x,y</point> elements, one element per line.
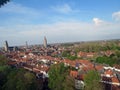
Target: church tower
<point>6,48</point>
<point>45,42</point>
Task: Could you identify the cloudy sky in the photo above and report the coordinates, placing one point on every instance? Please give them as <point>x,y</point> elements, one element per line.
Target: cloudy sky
<point>59,21</point>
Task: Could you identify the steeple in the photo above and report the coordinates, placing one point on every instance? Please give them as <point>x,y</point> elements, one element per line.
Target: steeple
<point>45,42</point>
<point>26,44</point>
<point>6,47</point>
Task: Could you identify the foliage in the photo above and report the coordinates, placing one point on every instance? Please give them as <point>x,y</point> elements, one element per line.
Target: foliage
<point>117,53</point>
<point>2,2</point>
<point>69,83</point>
<point>72,57</point>
<point>67,55</point>
<point>97,46</point>
<point>4,71</point>
<point>58,77</point>
<point>92,81</point>
<point>19,79</point>
<point>3,60</point>
<point>15,79</point>
<point>113,59</point>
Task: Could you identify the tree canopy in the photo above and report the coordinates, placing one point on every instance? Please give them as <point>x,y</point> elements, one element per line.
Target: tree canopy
<point>2,2</point>
<point>92,81</point>
<point>3,60</point>
<point>15,78</point>
<point>59,79</point>
<point>19,79</point>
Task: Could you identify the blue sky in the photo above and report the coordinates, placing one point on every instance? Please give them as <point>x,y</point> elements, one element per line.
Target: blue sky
<point>59,21</point>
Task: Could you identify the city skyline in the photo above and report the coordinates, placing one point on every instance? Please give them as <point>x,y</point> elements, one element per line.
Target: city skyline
<point>60,21</point>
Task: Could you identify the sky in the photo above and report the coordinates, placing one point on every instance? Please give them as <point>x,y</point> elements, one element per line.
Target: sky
<point>59,20</point>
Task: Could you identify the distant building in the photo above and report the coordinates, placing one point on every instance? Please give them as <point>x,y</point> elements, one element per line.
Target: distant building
<point>14,48</point>
<point>11,48</point>
<point>45,42</point>
<point>6,47</point>
<point>26,44</point>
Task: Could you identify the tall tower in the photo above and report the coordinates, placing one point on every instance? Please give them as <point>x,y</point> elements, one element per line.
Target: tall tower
<point>6,46</point>
<point>26,44</point>
<point>45,42</point>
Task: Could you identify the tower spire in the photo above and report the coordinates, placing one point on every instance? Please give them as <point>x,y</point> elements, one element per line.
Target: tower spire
<point>26,44</point>
<point>6,47</point>
<point>45,42</point>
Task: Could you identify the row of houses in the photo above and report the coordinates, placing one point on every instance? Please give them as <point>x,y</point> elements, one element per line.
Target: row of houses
<point>93,54</point>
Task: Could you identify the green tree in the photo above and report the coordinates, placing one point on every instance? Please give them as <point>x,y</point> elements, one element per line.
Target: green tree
<point>15,79</point>
<point>117,53</point>
<point>2,2</point>
<point>57,75</point>
<point>4,71</point>
<point>3,60</point>
<point>92,81</point>
<point>113,59</point>
<point>19,79</point>
<point>69,83</point>
<point>65,53</point>
<point>72,57</point>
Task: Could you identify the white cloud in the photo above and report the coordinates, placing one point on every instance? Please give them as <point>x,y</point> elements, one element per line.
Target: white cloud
<point>59,32</point>
<point>116,16</point>
<point>70,30</point>
<point>66,8</point>
<point>98,21</point>
<point>101,23</point>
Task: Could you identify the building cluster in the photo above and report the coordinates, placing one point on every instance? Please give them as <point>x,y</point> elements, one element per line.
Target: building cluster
<point>39,59</point>
<point>110,76</point>
<point>94,54</point>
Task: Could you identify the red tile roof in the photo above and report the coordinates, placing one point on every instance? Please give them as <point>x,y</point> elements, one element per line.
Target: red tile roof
<point>73,74</point>
<point>115,80</point>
